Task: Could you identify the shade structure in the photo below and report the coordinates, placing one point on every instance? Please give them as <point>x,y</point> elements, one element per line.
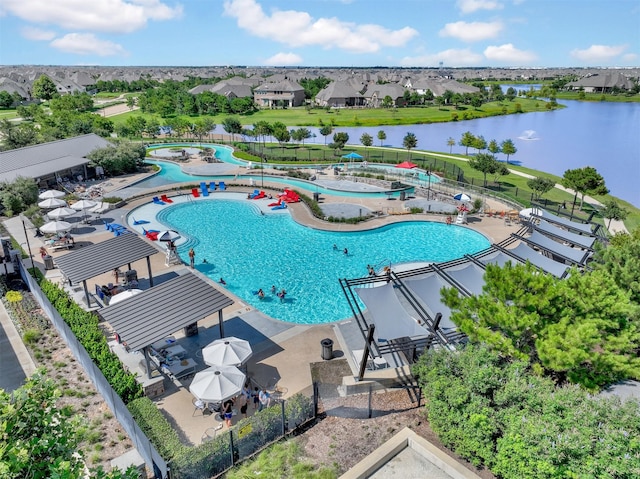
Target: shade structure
<point>462,197</point>
<point>116,298</point>
<point>227,352</point>
<point>45,195</point>
<point>353,156</point>
<point>217,384</point>
<point>56,227</point>
<point>168,235</point>
<point>52,203</point>
<point>61,213</point>
<point>527,212</point>
<point>407,165</point>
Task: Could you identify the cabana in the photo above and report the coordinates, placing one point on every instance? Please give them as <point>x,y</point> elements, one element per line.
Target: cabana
<point>583,228</point>
<point>554,248</point>
<point>564,235</point>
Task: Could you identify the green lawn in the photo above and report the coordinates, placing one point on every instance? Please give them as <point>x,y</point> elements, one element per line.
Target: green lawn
<point>8,114</point>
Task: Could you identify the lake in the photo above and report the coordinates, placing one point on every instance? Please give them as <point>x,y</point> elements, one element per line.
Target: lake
<point>603,135</point>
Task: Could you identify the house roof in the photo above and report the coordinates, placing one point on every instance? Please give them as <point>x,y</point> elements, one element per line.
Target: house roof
<point>338,89</point>
<point>38,160</point>
<point>285,85</point>
<point>96,259</point>
<point>605,80</point>
<point>162,310</point>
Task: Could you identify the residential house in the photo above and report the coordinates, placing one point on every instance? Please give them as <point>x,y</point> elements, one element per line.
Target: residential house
<point>376,93</point>
<point>283,94</point>
<point>339,94</point>
<point>602,82</point>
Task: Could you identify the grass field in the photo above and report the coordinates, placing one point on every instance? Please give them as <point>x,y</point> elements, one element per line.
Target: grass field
<point>8,114</point>
<point>372,116</point>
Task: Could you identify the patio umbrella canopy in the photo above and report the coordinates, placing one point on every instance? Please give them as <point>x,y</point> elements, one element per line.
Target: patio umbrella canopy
<point>124,295</point>
<point>61,213</point>
<point>353,156</point>
<point>168,235</point>
<point>56,227</point>
<point>45,195</point>
<point>83,205</point>
<point>217,384</point>
<point>406,165</point>
<point>462,197</point>
<point>227,352</point>
<point>52,203</point>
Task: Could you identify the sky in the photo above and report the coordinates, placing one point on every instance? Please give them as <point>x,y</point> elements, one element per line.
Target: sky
<point>323,33</point>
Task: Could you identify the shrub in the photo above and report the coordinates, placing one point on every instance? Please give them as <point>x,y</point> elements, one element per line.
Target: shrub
<point>156,427</point>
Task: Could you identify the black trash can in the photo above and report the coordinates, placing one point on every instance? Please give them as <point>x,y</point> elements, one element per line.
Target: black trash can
<point>403,195</point>
<point>48,262</point>
<point>316,197</point>
<point>327,348</point>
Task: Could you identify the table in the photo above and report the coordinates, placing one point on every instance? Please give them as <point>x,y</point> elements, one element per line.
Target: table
<point>176,351</point>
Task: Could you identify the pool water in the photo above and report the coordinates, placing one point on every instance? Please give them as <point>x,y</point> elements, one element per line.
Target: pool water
<point>252,251</point>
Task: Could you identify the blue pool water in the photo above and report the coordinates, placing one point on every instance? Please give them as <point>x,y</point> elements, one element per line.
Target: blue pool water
<point>251,251</point>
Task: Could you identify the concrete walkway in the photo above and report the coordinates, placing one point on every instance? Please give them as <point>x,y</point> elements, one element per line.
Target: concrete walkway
<point>16,362</point>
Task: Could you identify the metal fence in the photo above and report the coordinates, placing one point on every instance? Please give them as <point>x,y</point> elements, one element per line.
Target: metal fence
<point>153,460</point>
<point>221,451</point>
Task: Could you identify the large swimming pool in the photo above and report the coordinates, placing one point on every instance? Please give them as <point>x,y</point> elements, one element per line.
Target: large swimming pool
<point>251,250</point>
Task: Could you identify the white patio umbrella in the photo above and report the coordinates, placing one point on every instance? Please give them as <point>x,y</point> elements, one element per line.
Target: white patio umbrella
<point>217,384</point>
<point>124,295</point>
<point>227,352</point>
<point>168,235</point>
<point>61,213</point>
<point>83,205</point>
<point>462,197</point>
<point>45,195</point>
<point>56,227</point>
<point>52,203</point>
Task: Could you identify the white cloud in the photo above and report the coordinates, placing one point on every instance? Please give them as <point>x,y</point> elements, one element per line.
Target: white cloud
<point>450,58</point>
<point>116,16</point>
<point>87,44</point>
<point>471,31</point>
<point>283,59</point>
<point>470,6</point>
<point>33,33</point>
<point>629,57</point>
<point>598,53</point>
<point>298,29</point>
<point>509,54</point>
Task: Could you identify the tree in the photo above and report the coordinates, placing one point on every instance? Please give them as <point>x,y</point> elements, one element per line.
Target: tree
<point>325,131</point>
<point>17,135</point>
<point>479,143</point>
<point>613,211</point>
<point>387,102</point>
<point>467,141</point>
<point>511,93</point>
<point>493,147</point>
<point>340,139</point>
<point>508,148</point>
<point>621,260</point>
<point>136,125</point>
<point>6,100</point>
<point>382,136</point>
<point>131,102</point>
<point>409,142</point>
<point>18,195</point>
<point>232,126</point>
<point>280,133</point>
<point>500,171</point>
<point>367,140</point>
<point>451,143</point>
<point>41,440</point>
<point>44,88</point>
<point>485,163</point>
<point>580,328</point>
<point>262,129</point>
<point>118,159</point>
<point>540,186</point>
<point>584,180</point>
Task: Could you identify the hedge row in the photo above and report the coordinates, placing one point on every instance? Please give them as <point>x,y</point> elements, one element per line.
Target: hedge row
<point>87,330</point>
<point>496,413</point>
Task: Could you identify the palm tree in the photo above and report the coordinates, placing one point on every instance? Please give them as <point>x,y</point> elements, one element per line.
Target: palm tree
<point>409,141</point>
<point>382,136</point>
<point>450,143</point>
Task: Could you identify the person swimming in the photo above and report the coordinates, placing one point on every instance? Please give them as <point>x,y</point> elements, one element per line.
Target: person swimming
<point>335,247</point>
<point>204,261</point>
<point>346,252</point>
<point>260,293</point>
<point>222,281</point>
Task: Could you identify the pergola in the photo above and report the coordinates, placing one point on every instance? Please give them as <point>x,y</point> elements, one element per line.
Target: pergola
<point>93,260</point>
<point>162,310</point>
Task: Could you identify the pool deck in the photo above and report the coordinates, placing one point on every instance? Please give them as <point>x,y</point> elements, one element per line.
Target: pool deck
<point>282,351</point>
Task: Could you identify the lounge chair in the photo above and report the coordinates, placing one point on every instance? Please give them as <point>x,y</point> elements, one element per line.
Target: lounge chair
<point>158,201</point>
<point>222,186</point>
<point>204,189</point>
<point>254,194</point>
<point>139,222</point>
<point>195,192</point>
<point>166,199</point>
<point>212,186</point>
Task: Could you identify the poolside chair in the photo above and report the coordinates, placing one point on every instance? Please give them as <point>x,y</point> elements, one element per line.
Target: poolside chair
<point>195,192</point>
<point>254,194</point>
<point>212,186</point>
<point>166,199</point>
<point>139,222</point>
<point>157,201</point>
<point>222,186</point>
<point>204,189</point>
